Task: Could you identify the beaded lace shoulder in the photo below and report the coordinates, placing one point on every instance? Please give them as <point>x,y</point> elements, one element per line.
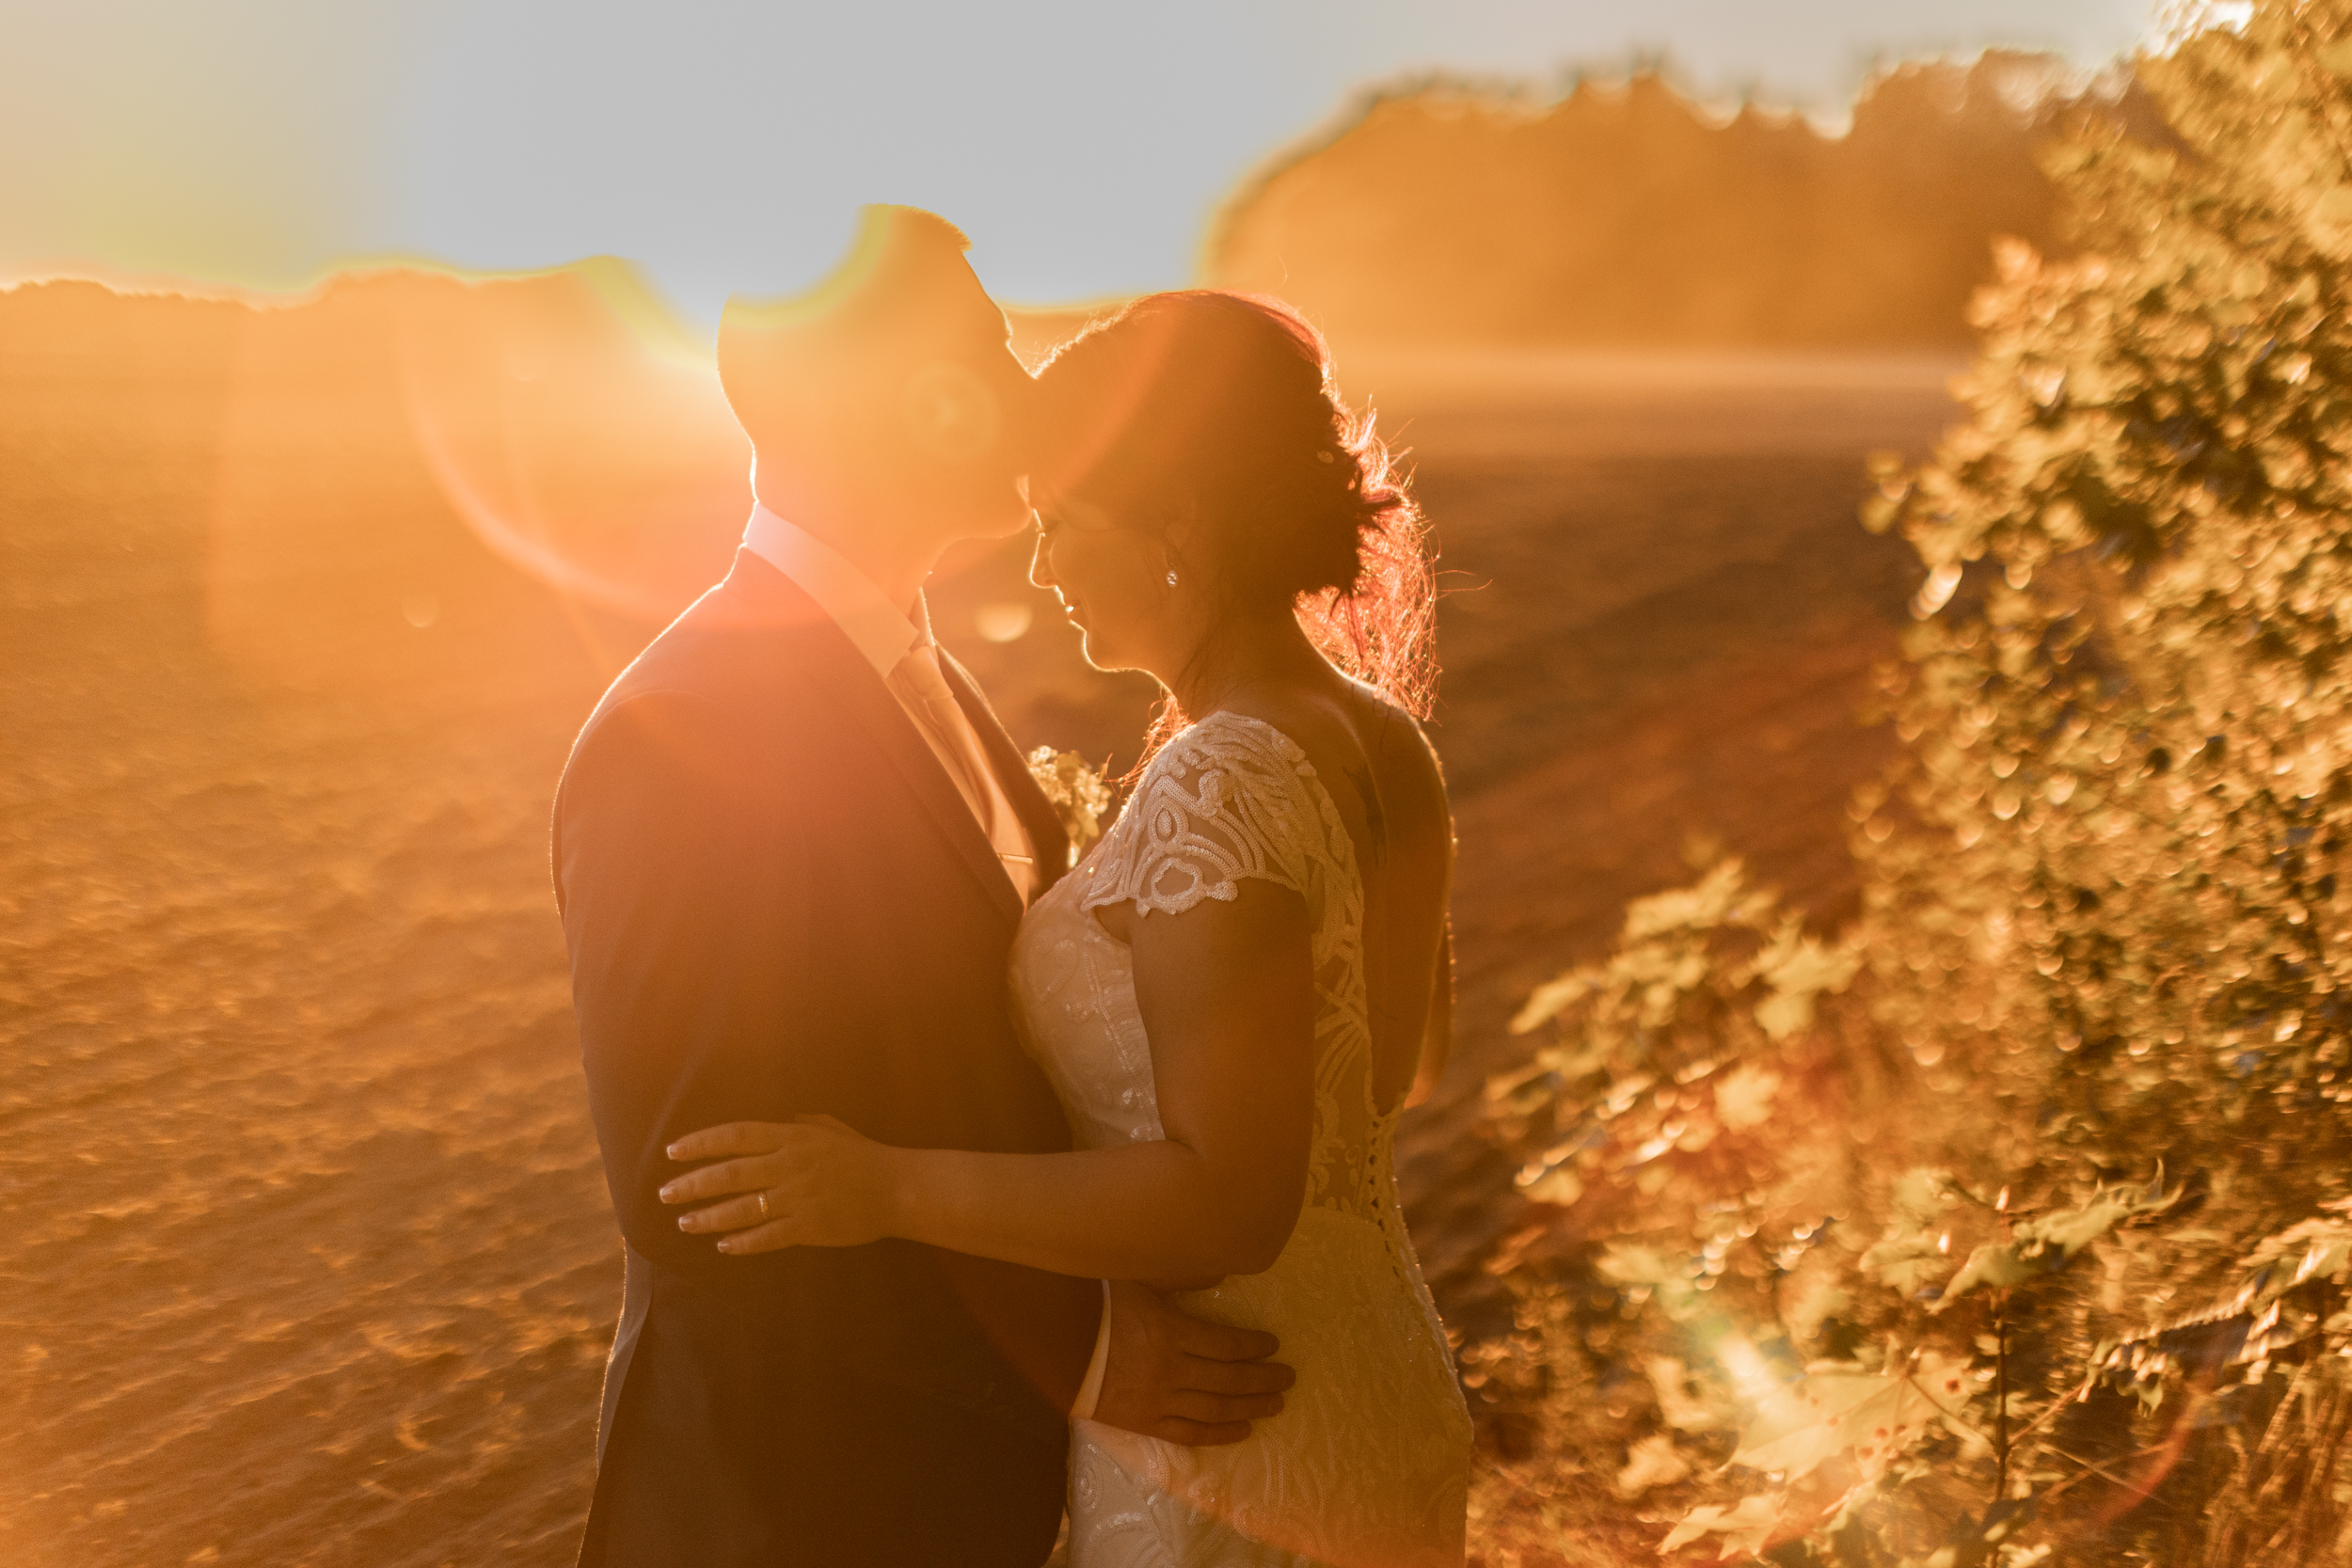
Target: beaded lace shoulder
<point>1227,799</point>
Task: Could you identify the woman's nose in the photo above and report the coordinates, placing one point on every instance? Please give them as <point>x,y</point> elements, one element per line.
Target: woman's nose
<point>1041,563</point>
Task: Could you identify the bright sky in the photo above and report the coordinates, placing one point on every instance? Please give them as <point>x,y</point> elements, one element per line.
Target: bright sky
<point>726,145</point>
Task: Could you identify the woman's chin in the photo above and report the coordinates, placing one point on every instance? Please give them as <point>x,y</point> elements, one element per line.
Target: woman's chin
<point>1096,654</point>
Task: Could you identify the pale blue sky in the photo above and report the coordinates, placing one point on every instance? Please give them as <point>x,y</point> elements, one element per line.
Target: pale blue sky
<point>726,145</point>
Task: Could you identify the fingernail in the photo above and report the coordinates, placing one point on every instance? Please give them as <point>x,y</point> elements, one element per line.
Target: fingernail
<point>686,1222</point>
<point>668,1193</point>
<point>726,1244</point>
<point>672,1152</point>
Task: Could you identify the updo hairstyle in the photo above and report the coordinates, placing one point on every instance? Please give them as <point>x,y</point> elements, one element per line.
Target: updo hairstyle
<point>1227,399</point>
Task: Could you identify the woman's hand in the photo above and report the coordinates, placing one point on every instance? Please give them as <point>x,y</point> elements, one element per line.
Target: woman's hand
<point>811,1181</point>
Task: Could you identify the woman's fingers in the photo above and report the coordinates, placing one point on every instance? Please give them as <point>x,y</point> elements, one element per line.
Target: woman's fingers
<point>731,1138</point>
<point>734,1214</point>
<point>800,1187</point>
<point>735,1176</point>
<point>773,1236</point>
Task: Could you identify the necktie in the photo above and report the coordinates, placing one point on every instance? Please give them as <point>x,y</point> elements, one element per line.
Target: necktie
<point>957,745</point>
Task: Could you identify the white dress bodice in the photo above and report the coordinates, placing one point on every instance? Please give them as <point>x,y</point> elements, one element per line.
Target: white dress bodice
<point>1367,1462</point>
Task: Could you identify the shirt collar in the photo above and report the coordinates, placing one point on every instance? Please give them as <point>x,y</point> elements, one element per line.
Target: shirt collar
<point>875,626</point>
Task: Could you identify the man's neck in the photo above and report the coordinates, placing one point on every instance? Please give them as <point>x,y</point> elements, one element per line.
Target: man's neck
<point>895,560</point>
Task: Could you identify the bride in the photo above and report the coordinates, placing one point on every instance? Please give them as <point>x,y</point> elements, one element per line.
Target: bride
<point>1238,991</point>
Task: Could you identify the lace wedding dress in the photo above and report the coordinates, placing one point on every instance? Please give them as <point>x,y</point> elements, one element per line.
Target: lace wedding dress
<point>1367,1462</point>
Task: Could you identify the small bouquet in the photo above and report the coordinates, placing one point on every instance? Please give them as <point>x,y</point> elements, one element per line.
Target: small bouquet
<point>1077,791</point>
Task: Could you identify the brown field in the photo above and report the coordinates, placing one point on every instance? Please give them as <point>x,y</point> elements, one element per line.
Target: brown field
<point>308,1258</point>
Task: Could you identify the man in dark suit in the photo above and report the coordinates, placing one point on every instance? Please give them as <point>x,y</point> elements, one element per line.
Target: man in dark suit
<point>792,845</point>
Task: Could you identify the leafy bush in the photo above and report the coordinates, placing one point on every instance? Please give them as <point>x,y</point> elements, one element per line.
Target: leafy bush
<point>2010,1227</point>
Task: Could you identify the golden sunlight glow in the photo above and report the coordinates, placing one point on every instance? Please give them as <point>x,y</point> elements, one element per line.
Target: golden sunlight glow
<point>577,436</point>
<point>1935,1142</point>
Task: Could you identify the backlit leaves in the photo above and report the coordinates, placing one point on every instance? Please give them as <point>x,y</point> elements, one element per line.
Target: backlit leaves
<point>1829,1412</point>
<point>2039,1246</point>
<point>1746,1527</point>
<point>2106,925</point>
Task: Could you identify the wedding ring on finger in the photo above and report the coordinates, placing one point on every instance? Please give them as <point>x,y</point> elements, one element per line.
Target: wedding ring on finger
<point>763,1203</point>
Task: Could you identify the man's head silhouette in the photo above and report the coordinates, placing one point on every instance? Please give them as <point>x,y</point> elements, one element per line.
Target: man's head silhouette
<point>885,403</point>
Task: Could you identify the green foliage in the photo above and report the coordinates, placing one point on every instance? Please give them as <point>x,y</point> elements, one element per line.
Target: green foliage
<point>2034,1247</point>
<point>1883,1222</point>
<point>1672,1035</point>
<point>2135,725</point>
<point>1665,982</point>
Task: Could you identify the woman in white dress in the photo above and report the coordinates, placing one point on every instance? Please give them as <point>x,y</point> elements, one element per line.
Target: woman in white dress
<point>1237,992</point>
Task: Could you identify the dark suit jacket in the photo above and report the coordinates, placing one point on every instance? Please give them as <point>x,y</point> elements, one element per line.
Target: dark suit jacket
<point>777,902</point>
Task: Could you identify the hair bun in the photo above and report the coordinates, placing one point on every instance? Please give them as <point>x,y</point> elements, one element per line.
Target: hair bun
<point>1228,399</point>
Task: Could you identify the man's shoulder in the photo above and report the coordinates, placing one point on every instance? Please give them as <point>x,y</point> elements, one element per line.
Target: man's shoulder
<point>675,684</point>
<point>686,662</point>
<point>751,642</point>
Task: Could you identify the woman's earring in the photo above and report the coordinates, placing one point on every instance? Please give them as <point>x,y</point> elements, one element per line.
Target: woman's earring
<point>1172,577</point>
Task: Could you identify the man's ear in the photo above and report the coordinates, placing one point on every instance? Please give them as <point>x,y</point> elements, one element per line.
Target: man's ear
<point>952,413</point>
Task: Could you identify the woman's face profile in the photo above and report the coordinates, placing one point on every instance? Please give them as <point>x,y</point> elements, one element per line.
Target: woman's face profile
<point>1111,580</point>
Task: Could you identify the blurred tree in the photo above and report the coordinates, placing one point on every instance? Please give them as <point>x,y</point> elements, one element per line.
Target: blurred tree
<point>2128,708</point>
<point>2104,958</point>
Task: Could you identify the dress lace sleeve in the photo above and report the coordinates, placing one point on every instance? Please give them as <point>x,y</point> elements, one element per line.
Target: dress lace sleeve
<point>1223,802</point>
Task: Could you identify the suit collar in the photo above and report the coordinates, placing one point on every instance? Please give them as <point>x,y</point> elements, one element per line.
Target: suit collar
<point>880,630</point>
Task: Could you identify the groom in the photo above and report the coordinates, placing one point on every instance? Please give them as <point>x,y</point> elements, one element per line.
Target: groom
<point>792,848</point>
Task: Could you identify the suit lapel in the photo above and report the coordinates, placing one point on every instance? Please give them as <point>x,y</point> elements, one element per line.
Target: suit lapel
<point>1046,834</point>
<point>892,731</point>
<point>841,672</point>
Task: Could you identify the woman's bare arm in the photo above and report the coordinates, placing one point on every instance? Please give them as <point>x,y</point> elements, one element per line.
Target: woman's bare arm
<point>1226,991</point>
